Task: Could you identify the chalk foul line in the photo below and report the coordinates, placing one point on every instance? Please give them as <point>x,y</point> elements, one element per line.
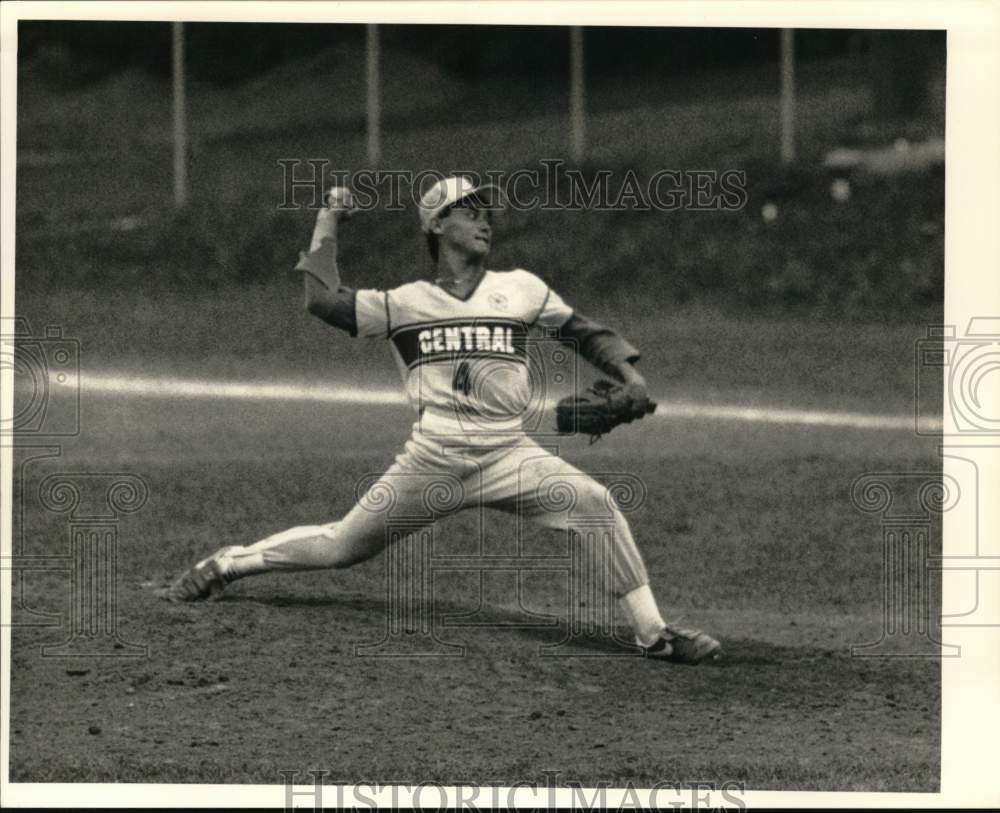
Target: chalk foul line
<point>187,388</point>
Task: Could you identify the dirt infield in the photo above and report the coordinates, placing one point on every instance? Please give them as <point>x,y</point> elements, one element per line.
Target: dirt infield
<point>748,531</point>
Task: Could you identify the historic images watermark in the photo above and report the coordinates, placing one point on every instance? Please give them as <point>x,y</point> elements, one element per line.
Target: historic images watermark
<point>89,506</point>
<point>550,186</point>
<point>46,378</point>
<point>961,371</point>
<point>956,399</point>
<point>958,381</point>
<point>317,788</point>
<point>909,505</point>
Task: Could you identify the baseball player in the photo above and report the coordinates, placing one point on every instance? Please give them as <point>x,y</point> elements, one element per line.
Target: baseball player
<point>461,345</point>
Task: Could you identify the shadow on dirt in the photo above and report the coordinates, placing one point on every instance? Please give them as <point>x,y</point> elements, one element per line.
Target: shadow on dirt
<point>473,628</point>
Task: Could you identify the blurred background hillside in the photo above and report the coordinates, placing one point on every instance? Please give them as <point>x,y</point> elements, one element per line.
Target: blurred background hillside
<point>94,184</point>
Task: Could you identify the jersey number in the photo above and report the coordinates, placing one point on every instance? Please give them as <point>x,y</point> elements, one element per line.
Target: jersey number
<point>462,382</point>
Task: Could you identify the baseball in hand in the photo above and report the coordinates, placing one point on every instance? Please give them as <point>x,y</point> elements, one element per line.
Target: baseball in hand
<point>338,206</point>
<point>338,199</point>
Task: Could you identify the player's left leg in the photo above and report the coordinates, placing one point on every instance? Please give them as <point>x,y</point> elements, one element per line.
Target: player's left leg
<point>359,535</point>
<point>533,483</point>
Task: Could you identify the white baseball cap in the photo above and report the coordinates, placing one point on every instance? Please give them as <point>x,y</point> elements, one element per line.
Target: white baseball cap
<point>449,191</point>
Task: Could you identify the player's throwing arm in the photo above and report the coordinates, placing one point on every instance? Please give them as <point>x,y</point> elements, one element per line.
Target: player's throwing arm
<point>325,297</point>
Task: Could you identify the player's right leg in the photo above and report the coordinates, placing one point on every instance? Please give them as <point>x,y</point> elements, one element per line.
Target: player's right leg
<point>402,492</point>
<point>537,485</point>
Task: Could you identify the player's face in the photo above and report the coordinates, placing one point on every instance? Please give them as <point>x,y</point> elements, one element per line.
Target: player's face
<point>469,228</point>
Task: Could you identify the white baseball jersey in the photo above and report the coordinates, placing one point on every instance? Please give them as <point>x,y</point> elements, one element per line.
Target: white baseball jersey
<point>464,362</point>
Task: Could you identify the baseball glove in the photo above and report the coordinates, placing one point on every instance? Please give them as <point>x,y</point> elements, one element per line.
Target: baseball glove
<point>599,410</point>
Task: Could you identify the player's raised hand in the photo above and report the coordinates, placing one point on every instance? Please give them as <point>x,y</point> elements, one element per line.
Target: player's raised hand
<point>338,204</point>
<point>339,201</point>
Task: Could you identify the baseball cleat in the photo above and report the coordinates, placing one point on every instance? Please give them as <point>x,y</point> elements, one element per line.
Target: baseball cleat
<point>205,580</point>
<point>684,646</point>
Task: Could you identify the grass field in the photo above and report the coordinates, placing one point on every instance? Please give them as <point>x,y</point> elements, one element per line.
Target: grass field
<point>263,332</point>
<point>748,531</point>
